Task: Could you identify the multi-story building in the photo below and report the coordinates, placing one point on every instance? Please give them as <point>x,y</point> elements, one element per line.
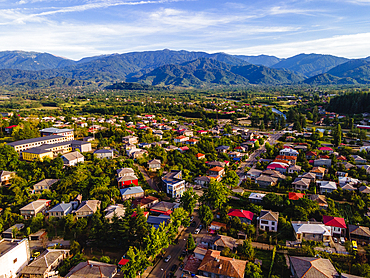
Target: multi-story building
<point>268,221</point>
<point>14,256</point>
<point>56,131</point>
<point>35,207</point>
<point>174,184</point>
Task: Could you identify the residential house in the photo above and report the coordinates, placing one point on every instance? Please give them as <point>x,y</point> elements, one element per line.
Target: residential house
<point>366,167</point>
<point>46,264</point>
<point>216,171</point>
<point>254,173</point>
<point>222,149</point>
<point>187,133</point>
<point>256,198</point>
<point>93,269</point>
<point>294,169</point>
<point>319,172</point>
<point>6,177</point>
<point>245,216</point>
<point>154,164</point>
<point>360,234</point>
<point>311,155</point>
<point>87,208</point>
<point>63,209</point>
<point>202,180</point>
<point>174,184</point>
<point>163,208</point>
<point>220,242</point>
<point>326,150</point>
<point>146,202</point>
<point>192,141</point>
<point>73,158</point>
<point>301,184</point>
<point>181,139</point>
<point>268,221</point>
<point>364,189</point>
<point>347,180</point>
<point>8,233</point>
<point>359,160</point>
<point>278,166</point>
<point>274,174</point>
<point>215,265</point>
<point>322,162</point>
<point>171,148</point>
<point>346,165</point>
<point>309,175</point>
<point>117,210</point>
<point>291,159</point>
<point>265,181</point>
<point>44,185</point>
<point>216,226</point>
<point>317,267</point>
<point>288,152</point>
<point>130,139</point>
<point>308,230</point>
<point>15,255</point>
<point>294,196</point>
<point>126,177</point>
<point>108,154</point>
<point>157,220</point>
<point>337,225</point>
<point>222,164</point>
<point>327,186</point>
<point>200,156</point>
<point>39,235</point>
<point>35,207</point>
<point>132,192</point>
<point>320,199</point>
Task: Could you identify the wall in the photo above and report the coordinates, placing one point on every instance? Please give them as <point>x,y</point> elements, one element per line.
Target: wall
<point>20,253</point>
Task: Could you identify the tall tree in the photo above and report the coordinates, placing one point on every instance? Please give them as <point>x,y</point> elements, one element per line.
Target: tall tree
<point>189,200</point>
<point>190,243</point>
<point>231,179</point>
<point>216,194</point>
<point>206,215</point>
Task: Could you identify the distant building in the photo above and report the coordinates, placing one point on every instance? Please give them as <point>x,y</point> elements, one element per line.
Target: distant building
<point>174,184</point>
<point>56,131</point>
<point>44,185</point>
<point>35,207</point>
<point>73,158</point>
<point>108,154</point>
<point>6,177</point>
<point>132,192</point>
<point>92,269</point>
<point>154,164</point>
<point>87,208</point>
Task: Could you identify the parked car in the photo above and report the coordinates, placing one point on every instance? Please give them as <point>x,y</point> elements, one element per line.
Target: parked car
<point>197,230</point>
<point>200,227</point>
<point>167,259</point>
<point>191,218</point>
<point>342,241</point>
<point>335,240</point>
<point>173,268</point>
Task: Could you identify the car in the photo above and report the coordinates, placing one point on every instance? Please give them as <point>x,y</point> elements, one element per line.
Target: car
<point>335,240</point>
<point>354,245</point>
<point>183,253</point>
<point>200,227</point>
<point>173,268</point>
<point>167,259</point>
<point>342,240</point>
<point>197,231</point>
<point>191,218</point>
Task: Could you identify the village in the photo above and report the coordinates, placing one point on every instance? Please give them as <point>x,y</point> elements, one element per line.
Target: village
<point>147,196</point>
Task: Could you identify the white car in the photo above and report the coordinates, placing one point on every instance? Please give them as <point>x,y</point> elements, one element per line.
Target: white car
<point>197,231</point>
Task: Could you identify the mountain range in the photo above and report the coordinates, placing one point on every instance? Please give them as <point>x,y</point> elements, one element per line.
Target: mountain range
<point>179,69</point>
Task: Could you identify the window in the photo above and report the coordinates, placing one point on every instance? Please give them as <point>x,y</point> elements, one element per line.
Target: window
<point>264,222</point>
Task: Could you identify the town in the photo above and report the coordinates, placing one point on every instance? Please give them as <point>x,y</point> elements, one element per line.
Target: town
<point>184,185</point>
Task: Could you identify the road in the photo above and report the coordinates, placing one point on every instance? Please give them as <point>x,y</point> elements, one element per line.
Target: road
<point>162,269</point>
<point>147,178</point>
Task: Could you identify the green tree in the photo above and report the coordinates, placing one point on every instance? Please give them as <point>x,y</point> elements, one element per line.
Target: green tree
<point>253,271</point>
<point>206,215</point>
<point>189,200</point>
<point>216,194</point>
<point>247,249</point>
<point>337,135</point>
<point>136,264</point>
<point>231,179</point>
<point>190,243</point>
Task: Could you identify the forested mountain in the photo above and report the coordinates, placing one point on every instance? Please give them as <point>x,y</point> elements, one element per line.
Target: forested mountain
<point>263,60</point>
<point>351,103</point>
<point>206,71</point>
<point>328,79</point>
<point>31,60</point>
<point>310,64</point>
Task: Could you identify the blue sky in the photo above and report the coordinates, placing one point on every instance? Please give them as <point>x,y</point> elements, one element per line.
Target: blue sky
<point>80,28</point>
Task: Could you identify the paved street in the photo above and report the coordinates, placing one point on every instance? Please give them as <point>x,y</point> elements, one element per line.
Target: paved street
<point>147,178</point>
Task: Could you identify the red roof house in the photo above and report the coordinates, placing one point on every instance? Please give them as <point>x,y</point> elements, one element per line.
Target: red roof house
<point>294,196</point>
<point>337,225</point>
<point>244,215</point>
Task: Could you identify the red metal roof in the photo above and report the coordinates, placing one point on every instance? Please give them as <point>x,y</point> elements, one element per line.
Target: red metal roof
<point>123,262</point>
<point>241,213</point>
<point>295,196</point>
<point>334,221</point>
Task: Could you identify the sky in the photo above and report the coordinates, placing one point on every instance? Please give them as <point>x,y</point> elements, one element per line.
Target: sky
<point>81,28</point>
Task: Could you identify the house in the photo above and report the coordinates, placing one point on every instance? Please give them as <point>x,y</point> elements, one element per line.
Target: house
<point>216,226</point>
<point>62,209</point>
<point>322,162</point>
<point>126,177</point>
<point>222,149</point>
<point>87,208</point>
<point>174,184</point>
<point>278,166</point>
<point>311,155</point>
<point>265,181</point>
<point>15,255</point>
<point>346,165</point>
<point>117,210</point>
<point>337,225</point>
<point>44,185</point>
<point>326,150</point>
<point>291,159</point>
<point>288,152</point>
<point>154,164</point>
<point>146,202</point>
<point>202,180</point>
<point>39,235</point>
<point>9,129</point>
<point>171,148</point>
<point>309,175</point>
<point>327,186</point>
<point>46,264</point>
<point>347,180</point>
<point>294,169</point>
<point>256,198</point>
<point>200,156</point>
<point>358,159</point>
<point>215,265</point>
<point>268,220</point>
<point>130,139</point>
<point>73,158</point>
<point>301,184</point>
<point>254,173</point>
<point>217,164</point>
<point>308,230</point>
<point>364,189</point>
<point>6,177</point>
<point>92,269</point>
<point>35,207</point>
<point>8,233</point>
<point>187,132</point>
<point>305,267</point>
<point>245,216</point>
<point>241,149</point>
<point>366,167</point>
<point>359,233</point>
<point>132,192</point>
<point>81,146</point>
<point>108,154</point>
<point>162,208</point>
<point>219,242</point>
<point>157,220</point>
<point>192,141</point>
<point>319,172</point>
<point>294,196</point>
<point>320,199</point>
<point>181,139</point>
<point>216,171</point>
<point>235,155</point>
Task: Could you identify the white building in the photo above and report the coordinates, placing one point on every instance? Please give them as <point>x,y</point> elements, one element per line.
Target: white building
<point>14,256</point>
<point>288,152</point>
<point>175,185</point>
<point>268,221</point>
<point>327,186</point>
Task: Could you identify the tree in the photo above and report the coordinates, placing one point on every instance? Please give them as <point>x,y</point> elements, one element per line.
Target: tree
<point>253,271</point>
<point>206,215</point>
<point>216,194</point>
<point>247,249</point>
<point>273,201</point>
<point>136,264</point>
<point>231,179</point>
<point>190,243</point>
<point>189,200</point>
<point>337,135</point>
